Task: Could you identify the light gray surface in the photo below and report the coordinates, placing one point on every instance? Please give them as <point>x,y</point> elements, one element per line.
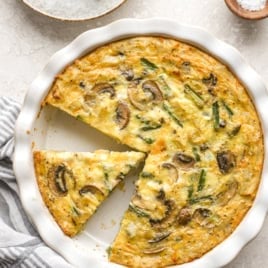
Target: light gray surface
<point>27,40</point>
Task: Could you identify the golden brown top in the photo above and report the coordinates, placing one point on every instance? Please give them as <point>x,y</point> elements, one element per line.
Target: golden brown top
<point>201,132</point>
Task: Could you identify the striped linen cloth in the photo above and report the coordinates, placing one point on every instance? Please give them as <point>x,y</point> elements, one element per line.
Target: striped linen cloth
<point>20,244</point>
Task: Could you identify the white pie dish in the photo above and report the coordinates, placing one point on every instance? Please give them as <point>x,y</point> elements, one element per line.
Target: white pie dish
<point>53,130</point>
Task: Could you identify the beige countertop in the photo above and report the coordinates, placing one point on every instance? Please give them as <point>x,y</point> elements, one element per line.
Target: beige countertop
<point>28,40</point>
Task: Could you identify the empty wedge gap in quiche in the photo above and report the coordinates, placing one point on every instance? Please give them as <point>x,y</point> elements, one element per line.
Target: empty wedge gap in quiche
<point>73,185</point>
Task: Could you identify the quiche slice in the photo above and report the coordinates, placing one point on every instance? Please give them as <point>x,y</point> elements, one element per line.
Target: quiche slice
<point>73,185</point>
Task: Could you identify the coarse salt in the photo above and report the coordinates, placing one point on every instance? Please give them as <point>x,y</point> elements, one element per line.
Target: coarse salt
<point>73,9</point>
<point>252,5</point>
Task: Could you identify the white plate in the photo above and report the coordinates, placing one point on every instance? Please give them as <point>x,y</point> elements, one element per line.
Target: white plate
<point>56,130</point>
<point>73,10</point>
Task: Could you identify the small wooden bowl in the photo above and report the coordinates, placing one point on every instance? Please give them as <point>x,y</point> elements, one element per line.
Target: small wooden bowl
<point>247,14</point>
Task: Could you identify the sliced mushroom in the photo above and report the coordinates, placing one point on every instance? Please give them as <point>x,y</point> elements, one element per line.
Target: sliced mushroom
<point>183,160</point>
<point>226,161</point>
<point>172,171</point>
<point>154,250</point>
<point>147,205</point>
<point>98,89</point>
<point>102,88</point>
<point>153,88</point>
<point>90,189</point>
<point>122,115</point>
<point>201,216</point>
<point>139,205</point>
<point>60,180</point>
<point>139,99</point>
<point>159,237</point>
<point>184,216</point>
<point>128,74</point>
<point>133,95</point>
<point>228,192</point>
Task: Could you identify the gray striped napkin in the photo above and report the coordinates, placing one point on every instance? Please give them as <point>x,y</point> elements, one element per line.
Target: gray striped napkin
<point>20,244</point>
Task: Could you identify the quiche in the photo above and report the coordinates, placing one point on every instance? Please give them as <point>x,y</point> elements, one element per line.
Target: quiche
<point>73,185</point>
<point>199,128</point>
